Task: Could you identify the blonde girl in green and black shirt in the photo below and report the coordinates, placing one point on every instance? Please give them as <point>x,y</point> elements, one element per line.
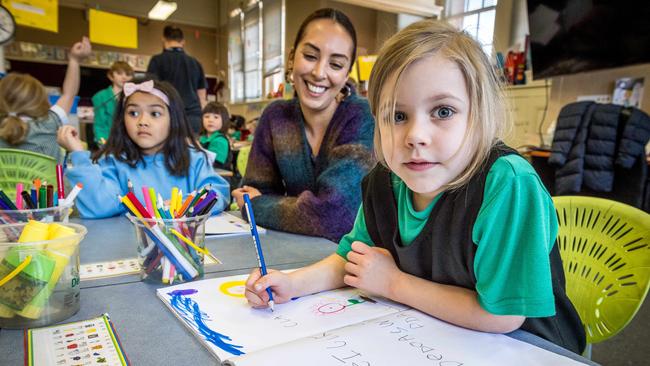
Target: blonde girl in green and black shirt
<point>452,222</point>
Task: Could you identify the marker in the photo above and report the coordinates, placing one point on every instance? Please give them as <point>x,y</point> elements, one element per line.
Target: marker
<point>4,206</point>
<point>59,181</point>
<point>19,197</point>
<point>258,246</point>
<point>154,205</point>
<point>199,207</point>
<point>73,194</point>
<point>185,205</point>
<point>172,201</point>
<point>179,201</point>
<point>7,201</point>
<point>50,195</point>
<point>147,200</point>
<point>35,196</point>
<point>42,197</point>
<point>27,200</point>
<point>206,210</point>
<point>196,198</point>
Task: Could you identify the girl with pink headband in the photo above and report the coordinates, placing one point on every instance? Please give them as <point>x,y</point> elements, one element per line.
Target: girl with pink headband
<point>150,144</point>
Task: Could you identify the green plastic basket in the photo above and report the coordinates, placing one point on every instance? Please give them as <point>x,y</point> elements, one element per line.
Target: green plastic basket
<point>605,253</point>
<point>22,166</point>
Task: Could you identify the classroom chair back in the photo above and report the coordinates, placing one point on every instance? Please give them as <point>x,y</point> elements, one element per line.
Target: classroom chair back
<point>22,166</point>
<point>242,160</point>
<point>605,252</point>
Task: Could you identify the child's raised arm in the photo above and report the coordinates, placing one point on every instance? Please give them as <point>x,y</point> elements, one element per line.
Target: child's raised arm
<point>70,88</point>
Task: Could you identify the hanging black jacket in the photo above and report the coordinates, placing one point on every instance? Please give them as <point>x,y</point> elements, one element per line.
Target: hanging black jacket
<point>592,141</point>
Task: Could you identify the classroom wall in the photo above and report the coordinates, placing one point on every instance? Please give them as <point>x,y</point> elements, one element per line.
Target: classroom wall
<point>192,12</point>
<point>564,89</point>
<point>73,24</point>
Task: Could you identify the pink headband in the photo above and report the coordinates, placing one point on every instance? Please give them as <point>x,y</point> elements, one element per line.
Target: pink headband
<point>145,87</point>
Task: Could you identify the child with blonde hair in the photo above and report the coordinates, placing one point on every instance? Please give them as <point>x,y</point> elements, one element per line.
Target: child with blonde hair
<point>453,222</point>
<point>27,121</point>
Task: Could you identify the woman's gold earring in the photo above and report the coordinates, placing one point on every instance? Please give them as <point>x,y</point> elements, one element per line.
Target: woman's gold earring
<point>344,93</point>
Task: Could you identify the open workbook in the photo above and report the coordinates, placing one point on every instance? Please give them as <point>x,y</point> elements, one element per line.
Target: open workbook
<point>339,327</point>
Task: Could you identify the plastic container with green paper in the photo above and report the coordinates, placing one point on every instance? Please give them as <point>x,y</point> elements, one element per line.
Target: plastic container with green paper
<point>46,289</point>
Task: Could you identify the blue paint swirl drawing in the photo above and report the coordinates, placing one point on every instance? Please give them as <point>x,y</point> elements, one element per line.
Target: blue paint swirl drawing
<point>188,310</point>
<point>216,312</point>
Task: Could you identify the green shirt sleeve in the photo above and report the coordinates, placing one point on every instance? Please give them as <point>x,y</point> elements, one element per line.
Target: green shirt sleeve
<point>515,231</point>
<point>359,233</point>
<point>103,109</point>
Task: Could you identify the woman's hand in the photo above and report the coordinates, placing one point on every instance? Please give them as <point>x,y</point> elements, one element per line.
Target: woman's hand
<point>238,194</point>
<point>68,137</point>
<point>256,285</point>
<point>372,269</point>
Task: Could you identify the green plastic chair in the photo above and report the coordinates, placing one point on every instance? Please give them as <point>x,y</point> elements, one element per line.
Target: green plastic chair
<point>605,249</point>
<point>242,160</point>
<point>22,166</point>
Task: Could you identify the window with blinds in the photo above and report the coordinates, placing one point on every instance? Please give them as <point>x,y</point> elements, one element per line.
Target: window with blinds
<point>236,58</point>
<point>475,17</point>
<point>252,54</point>
<point>257,66</point>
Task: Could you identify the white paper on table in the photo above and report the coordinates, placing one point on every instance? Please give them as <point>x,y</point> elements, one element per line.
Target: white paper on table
<point>405,338</point>
<point>225,224</point>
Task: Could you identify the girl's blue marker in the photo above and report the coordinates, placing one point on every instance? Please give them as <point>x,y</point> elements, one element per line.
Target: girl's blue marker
<point>258,246</point>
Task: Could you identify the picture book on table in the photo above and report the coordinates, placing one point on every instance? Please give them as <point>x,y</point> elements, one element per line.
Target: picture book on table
<point>338,327</point>
<point>86,342</point>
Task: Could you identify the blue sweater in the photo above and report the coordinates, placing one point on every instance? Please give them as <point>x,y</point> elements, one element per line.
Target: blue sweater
<point>104,181</point>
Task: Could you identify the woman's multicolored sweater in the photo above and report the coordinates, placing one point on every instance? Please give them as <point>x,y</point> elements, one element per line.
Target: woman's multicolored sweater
<point>306,194</point>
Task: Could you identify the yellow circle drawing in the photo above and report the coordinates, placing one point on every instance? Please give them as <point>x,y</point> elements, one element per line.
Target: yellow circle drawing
<point>233,288</point>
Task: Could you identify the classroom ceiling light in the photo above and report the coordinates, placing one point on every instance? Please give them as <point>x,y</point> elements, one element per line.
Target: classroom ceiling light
<point>162,10</point>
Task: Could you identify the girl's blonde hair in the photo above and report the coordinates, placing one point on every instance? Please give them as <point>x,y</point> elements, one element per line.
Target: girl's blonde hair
<point>20,95</point>
<point>488,119</point>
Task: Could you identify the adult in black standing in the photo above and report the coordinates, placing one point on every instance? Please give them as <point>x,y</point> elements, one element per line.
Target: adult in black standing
<point>184,72</point>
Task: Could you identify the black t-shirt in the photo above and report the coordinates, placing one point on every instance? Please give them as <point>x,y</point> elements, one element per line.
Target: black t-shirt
<point>184,72</point>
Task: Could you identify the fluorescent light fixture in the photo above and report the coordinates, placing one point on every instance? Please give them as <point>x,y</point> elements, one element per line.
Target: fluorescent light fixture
<point>162,10</point>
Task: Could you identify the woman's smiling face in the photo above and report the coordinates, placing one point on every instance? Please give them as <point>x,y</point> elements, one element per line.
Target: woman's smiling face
<point>321,64</point>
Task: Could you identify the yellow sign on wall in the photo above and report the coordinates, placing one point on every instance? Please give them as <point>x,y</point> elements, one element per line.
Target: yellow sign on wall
<point>41,14</point>
<point>365,66</point>
<point>354,73</point>
<point>112,29</point>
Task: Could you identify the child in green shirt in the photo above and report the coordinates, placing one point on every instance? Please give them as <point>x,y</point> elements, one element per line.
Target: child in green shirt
<point>213,134</point>
<point>453,222</point>
<point>104,100</point>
